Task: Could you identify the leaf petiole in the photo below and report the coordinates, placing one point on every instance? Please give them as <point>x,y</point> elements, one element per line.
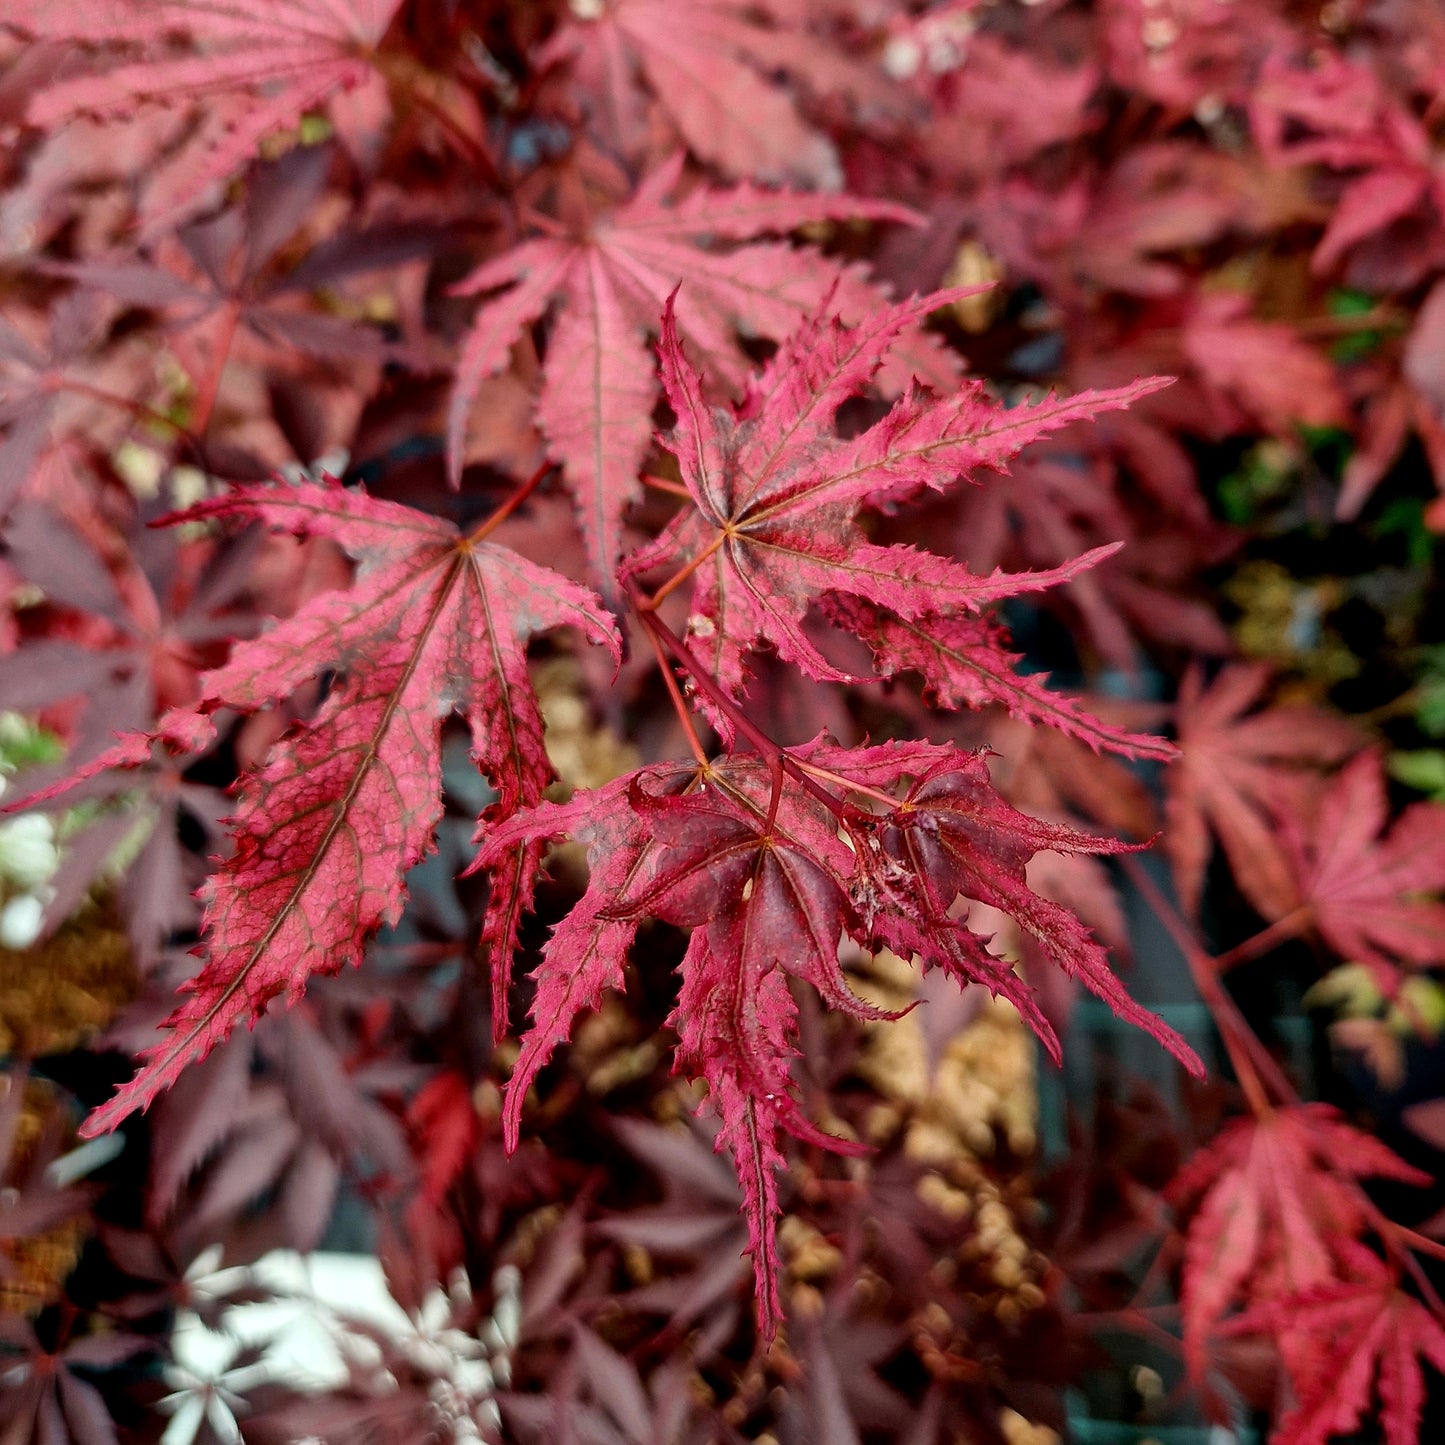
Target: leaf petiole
<point>776,756</point>
<point>685,571</point>
<point>511,504</point>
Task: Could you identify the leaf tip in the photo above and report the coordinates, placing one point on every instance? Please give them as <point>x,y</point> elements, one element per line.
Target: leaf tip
<point>514,1097</point>
<point>107,1117</point>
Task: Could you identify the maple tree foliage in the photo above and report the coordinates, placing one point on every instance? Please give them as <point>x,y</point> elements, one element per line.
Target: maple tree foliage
<point>261,67</point>
<point>1271,1221</point>
<point>342,810</point>
<point>1369,895</point>
<point>1348,1341</point>
<point>436,621</point>
<point>614,272</point>
<point>1239,777</point>
<point>683,525</point>
<point>769,877</point>
<point>776,498</point>
<point>710,67</point>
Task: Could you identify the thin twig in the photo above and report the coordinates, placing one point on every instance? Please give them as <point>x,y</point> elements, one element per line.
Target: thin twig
<point>680,706</point>
<point>1253,1063</point>
<point>661,484</point>
<point>513,502</point>
<point>773,753</point>
<point>1280,931</point>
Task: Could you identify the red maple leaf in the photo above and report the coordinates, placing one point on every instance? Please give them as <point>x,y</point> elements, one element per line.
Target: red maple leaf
<point>43,1392</point>
<point>218,274</point>
<point>614,271</point>
<point>148,630</point>
<point>340,810</point>
<point>1350,123</point>
<point>777,493</point>
<point>1274,1202</point>
<point>48,389</point>
<point>770,874</point>
<point>1346,1342</point>
<point>1237,777</point>
<point>954,836</point>
<point>1265,366</point>
<point>715,66</point>
<point>965,661</point>
<point>260,65</point>
<point>1374,896</point>
<point>148,626</point>
<point>217,296</point>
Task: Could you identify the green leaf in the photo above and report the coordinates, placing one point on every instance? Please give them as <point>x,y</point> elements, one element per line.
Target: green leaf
<point>1422,769</point>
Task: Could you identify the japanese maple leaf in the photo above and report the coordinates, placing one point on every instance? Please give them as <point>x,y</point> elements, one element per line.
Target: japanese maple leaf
<point>280,1118</point>
<point>770,874</point>
<point>953,836</point>
<point>614,271</point>
<point>600,1394</point>
<point>33,381</point>
<point>714,64</point>
<point>1346,1343</point>
<point>327,827</point>
<point>158,888</point>
<point>1349,123</point>
<point>1128,227</point>
<point>1116,230</point>
<point>1239,773</point>
<point>777,494</point>
<point>144,627</point>
<point>217,278</point>
<point>1373,895</point>
<point>44,1393</point>
<point>1274,1201</point>
<point>965,661</point>
<point>142,637</point>
<point>260,64</point>
<point>1265,366</point>
<point>688,864</point>
<point>695,1221</point>
<point>1404,175</point>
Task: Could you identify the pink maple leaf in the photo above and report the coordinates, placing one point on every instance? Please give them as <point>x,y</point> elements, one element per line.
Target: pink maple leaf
<point>770,874</point>
<point>260,65</point>
<point>1373,895</point>
<point>1273,1203</point>
<point>614,271</point>
<point>716,65</point>
<point>1346,1342</point>
<point>1240,773</point>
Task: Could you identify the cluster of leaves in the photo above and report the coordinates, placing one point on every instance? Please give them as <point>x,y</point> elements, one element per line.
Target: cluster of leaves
<point>689,443</point>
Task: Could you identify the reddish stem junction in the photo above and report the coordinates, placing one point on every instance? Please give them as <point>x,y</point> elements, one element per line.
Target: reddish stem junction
<point>780,761</point>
